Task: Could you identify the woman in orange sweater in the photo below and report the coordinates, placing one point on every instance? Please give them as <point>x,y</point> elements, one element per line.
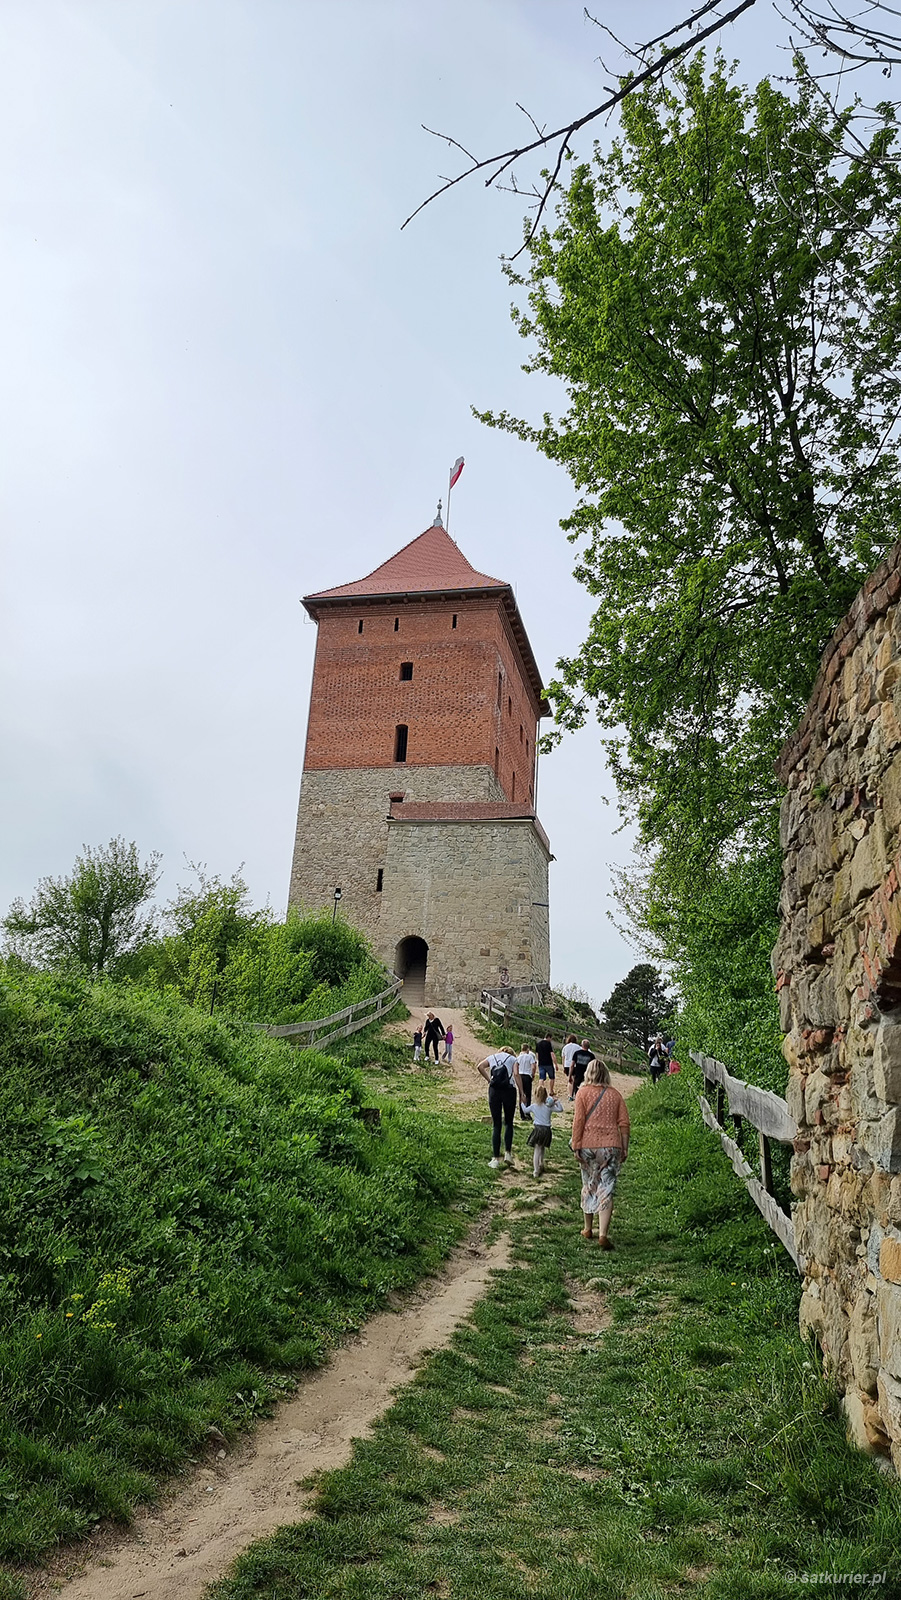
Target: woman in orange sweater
<point>600,1139</point>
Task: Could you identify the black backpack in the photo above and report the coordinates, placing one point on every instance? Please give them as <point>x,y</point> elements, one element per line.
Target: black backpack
<point>499,1073</point>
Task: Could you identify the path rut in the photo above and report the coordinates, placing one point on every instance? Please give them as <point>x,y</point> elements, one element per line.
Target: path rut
<point>179,1547</point>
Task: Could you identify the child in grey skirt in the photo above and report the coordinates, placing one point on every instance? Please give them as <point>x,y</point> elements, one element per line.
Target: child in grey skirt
<point>543,1107</point>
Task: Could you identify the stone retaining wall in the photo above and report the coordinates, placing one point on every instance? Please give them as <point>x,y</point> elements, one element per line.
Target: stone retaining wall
<point>838,975</point>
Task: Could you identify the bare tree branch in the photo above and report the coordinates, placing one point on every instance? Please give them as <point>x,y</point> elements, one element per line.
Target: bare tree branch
<point>561,137</point>
<point>869,37</point>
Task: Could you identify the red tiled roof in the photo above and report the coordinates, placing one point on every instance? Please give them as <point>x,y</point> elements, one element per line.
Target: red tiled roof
<point>426,565</point>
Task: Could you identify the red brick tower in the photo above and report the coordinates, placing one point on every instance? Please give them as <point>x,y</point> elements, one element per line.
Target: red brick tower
<point>419,773</point>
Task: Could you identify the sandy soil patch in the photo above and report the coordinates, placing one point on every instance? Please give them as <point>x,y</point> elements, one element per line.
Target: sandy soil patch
<point>179,1547</point>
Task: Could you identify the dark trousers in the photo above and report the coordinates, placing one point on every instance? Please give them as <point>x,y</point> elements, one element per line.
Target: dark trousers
<point>431,1042</point>
<point>502,1105</point>
<point>526,1082</point>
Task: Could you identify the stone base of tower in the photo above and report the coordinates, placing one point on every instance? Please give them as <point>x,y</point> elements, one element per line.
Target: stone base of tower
<point>450,884</point>
<point>468,897</point>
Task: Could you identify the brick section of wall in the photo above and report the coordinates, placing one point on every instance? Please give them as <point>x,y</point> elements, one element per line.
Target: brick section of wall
<point>456,710</point>
<point>838,976</point>
<point>342,830</point>
<point>476,892</point>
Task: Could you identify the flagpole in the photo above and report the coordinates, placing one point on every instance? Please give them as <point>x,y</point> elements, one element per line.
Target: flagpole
<point>449,488</point>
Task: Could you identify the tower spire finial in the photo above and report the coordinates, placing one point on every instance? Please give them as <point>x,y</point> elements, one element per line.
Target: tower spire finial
<point>437,522</point>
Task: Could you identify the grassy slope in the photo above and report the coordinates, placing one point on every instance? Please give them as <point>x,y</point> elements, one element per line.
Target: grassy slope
<point>188,1212</point>
<point>691,1446</point>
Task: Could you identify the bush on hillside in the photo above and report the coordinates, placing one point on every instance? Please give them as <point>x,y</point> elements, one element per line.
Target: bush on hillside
<point>184,1204</point>
<point>219,954</point>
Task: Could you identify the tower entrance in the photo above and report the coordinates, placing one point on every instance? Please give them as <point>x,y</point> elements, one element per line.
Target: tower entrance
<point>410,959</point>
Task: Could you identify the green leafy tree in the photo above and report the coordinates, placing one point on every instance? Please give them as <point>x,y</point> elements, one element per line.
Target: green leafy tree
<point>718,297</point>
<point>218,952</point>
<point>639,1006</point>
<point>94,919</point>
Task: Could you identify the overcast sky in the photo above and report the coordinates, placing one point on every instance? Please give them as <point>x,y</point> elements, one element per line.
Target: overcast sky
<point>228,379</point>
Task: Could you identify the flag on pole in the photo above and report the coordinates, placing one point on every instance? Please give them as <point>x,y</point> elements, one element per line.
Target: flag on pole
<point>456,469</point>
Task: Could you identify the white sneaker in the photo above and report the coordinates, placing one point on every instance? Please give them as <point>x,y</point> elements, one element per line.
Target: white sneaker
<point>495,1161</point>
<point>508,1160</point>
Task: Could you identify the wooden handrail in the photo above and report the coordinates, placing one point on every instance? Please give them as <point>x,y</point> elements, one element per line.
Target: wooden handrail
<point>294,1030</point>
<point>771,1117</point>
<point>534,1020</point>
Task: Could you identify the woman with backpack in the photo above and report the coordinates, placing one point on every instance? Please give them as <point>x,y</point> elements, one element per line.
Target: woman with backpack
<point>600,1141</point>
<point>501,1073</point>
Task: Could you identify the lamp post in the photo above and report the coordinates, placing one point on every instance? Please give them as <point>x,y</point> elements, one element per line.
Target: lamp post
<point>337,898</point>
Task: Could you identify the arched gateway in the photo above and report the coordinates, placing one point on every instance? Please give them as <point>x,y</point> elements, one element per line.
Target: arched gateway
<point>410,961</point>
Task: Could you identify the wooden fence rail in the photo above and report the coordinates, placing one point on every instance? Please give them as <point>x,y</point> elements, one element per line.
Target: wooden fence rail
<point>353,1018</point>
<point>536,1021</point>
<point>770,1116</point>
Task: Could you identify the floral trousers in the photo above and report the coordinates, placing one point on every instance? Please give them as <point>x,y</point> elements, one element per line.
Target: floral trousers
<point>600,1170</point>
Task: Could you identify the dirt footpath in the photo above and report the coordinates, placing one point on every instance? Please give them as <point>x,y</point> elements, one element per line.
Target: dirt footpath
<point>181,1546</point>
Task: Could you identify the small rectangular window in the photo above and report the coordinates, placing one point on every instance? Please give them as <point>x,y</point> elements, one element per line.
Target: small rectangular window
<point>509,706</point>
<point>513,787</point>
<point>520,733</point>
<point>500,689</point>
<point>379,880</point>
<point>360,626</point>
<point>400,742</point>
<point>406,671</point>
<point>497,760</point>
<point>396,624</point>
<point>454,620</point>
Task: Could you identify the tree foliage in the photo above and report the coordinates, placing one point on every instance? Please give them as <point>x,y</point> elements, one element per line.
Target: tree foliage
<point>715,941</point>
<point>639,1006</point>
<point>718,299</point>
<point>94,918</point>
<point>219,953</point>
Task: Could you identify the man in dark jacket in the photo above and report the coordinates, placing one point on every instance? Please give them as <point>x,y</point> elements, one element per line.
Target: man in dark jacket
<point>580,1061</point>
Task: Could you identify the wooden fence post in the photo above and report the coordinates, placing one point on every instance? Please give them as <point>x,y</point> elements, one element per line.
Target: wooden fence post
<point>766,1164</point>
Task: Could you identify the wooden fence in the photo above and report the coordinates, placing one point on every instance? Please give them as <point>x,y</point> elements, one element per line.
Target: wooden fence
<point>352,1019</point>
<point>497,1006</point>
<point>771,1118</point>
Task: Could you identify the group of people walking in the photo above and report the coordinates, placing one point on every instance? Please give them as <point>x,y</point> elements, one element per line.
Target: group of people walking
<point>432,1033</point>
<point>599,1137</point>
<point>661,1059</point>
<point>600,1131</point>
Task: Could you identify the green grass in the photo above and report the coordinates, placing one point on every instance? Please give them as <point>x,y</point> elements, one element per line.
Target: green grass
<point>189,1214</point>
<point>679,1439</point>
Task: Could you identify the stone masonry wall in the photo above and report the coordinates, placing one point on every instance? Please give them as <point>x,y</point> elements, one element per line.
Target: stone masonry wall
<point>342,831</point>
<point>477,893</point>
<point>838,977</point>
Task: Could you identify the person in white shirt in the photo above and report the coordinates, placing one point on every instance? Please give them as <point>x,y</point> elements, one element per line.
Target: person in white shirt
<point>501,1073</point>
<point>528,1061</point>
<point>540,1136</point>
<point>569,1050</point>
